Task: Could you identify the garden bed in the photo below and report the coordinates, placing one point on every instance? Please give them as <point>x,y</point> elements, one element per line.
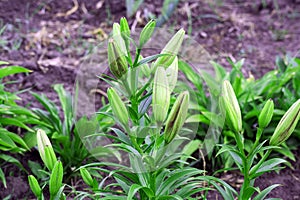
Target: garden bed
<point>52,39</point>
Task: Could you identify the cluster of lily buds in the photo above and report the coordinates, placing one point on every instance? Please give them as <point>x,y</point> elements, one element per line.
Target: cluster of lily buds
<point>165,71</point>
<point>55,166</point>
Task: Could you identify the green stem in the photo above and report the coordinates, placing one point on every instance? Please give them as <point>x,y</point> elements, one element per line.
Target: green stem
<point>157,154</point>
<point>240,142</point>
<point>133,140</point>
<point>258,136</point>
<point>246,183</point>
<point>137,55</point>
<point>126,86</point>
<point>157,134</point>
<point>144,87</point>
<point>160,155</point>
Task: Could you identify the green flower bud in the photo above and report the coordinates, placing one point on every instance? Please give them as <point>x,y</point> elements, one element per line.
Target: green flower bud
<point>45,149</point>
<point>56,178</point>
<point>266,114</point>
<point>144,69</point>
<point>116,60</point>
<point>147,32</point>
<point>286,125</point>
<point>118,38</point>
<point>176,117</point>
<point>86,176</point>
<point>231,107</point>
<point>125,31</point>
<point>171,48</point>
<point>34,185</point>
<point>172,74</point>
<point>161,95</point>
<point>118,107</point>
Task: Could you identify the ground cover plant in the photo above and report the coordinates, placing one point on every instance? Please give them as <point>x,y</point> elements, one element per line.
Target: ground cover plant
<point>13,119</point>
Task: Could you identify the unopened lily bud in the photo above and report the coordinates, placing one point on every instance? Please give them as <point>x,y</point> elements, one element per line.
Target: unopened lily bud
<point>266,114</point>
<point>161,95</point>
<point>144,68</point>
<point>56,178</point>
<point>172,74</point>
<point>176,117</point>
<point>286,125</point>
<point>34,186</point>
<point>118,107</point>
<point>45,149</point>
<point>231,106</point>
<point>125,31</point>
<point>118,38</point>
<point>116,60</point>
<point>86,176</point>
<point>171,48</point>
<point>147,32</point>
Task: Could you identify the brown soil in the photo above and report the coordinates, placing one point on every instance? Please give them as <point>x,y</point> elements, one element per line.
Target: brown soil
<point>52,39</point>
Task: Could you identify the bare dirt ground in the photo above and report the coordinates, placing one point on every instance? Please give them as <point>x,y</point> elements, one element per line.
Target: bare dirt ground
<point>53,37</point>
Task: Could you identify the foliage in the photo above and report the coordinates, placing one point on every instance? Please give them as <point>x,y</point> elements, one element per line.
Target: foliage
<point>280,85</point>
<point>13,118</point>
<point>245,161</point>
<point>150,128</point>
<point>143,136</point>
<point>168,7</point>
<point>65,133</point>
<point>55,167</point>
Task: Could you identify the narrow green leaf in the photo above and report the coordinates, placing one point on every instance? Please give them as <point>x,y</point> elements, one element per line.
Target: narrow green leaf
<point>265,192</point>
<point>6,71</point>
<point>2,178</point>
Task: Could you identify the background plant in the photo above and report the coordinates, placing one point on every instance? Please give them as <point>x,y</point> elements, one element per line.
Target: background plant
<point>246,160</point>
<point>54,173</point>
<point>13,119</point>
<point>280,85</point>
<point>168,8</point>
<point>64,132</point>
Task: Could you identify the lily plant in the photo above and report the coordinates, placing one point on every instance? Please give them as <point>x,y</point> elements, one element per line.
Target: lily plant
<point>256,162</point>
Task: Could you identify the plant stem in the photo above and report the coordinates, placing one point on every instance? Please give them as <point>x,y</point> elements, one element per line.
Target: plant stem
<point>137,55</point>
<point>125,84</point>
<point>258,136</point>
<point>133,140</point>
<point>240,142</point>
<point>246,183</point>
